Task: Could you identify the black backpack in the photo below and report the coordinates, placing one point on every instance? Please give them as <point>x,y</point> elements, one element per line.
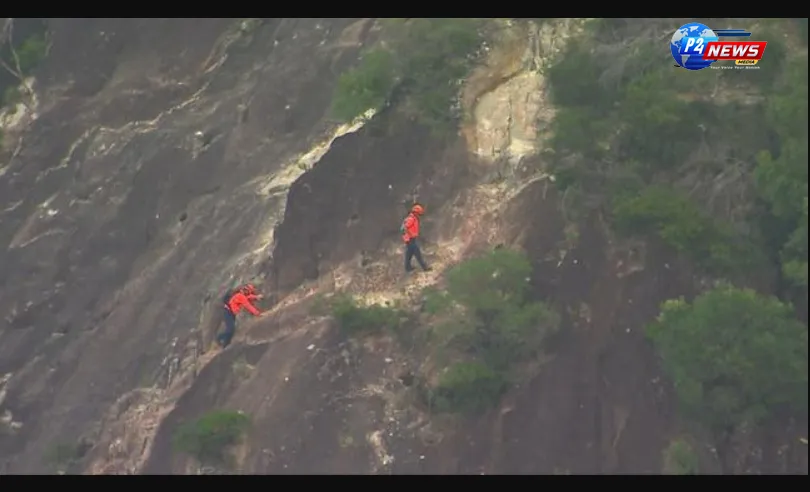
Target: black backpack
<point>228,294</point>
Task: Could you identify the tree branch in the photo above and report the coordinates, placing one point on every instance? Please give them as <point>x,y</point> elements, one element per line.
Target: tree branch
<point>7,37</point>
<point>14,52</point>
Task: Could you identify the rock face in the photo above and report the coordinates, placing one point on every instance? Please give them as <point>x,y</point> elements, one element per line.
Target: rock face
<point>166,159</point>
<point>136,192</point>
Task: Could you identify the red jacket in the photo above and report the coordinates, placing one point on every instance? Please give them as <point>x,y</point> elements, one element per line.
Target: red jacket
<point>410,227</point>
<point>240,300</point>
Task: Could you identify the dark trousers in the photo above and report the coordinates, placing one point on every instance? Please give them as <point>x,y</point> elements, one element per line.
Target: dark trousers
<point>224,338</point>
<point>412,251</point>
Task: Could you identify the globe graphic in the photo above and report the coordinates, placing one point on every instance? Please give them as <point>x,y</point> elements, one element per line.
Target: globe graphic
<point>691,62</point>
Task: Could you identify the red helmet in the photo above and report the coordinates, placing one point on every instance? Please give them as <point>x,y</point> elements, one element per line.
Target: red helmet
<point>249,289</point>
<point>417,209</point>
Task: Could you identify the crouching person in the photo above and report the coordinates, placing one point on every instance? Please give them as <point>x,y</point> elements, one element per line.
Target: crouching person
<point>234,301</point>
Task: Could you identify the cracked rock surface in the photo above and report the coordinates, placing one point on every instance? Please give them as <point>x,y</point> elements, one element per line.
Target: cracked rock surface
<point>118,218</point>
<point>164,159</point>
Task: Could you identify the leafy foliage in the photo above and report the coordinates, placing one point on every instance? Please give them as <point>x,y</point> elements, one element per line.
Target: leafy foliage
<point>660,129</point>
<point>573,80</point>
<point>680,459</point>
<point>436,301</point>
<point>677,221</point>
<point>30,45</point>
<point>627,121</point>
<point>367,86</point>
<point>502,325</point>
<point>484,318</point>
<point>492,323</point>
<point>468,387</point>
<point>208,438</point>
<point>424,61</point>
<point>31,52</point>
<point>355,319</point>
<point>781,176</point>
<point>734,356</point>
<point>714,164</point>
<point>782,182</point>
<point>794,254</point>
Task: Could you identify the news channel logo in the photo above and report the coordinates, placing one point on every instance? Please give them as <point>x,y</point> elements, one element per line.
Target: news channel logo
<point>690,40</point>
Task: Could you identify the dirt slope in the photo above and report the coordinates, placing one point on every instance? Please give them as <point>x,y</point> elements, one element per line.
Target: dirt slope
<point>121,225</point>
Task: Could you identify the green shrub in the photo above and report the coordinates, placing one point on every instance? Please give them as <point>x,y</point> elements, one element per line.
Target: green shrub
<point>574,80</point>
<point>366,86</point>
<point>781,175</point>
<point>614,113</point>
<point>31,47</point>
<point>659,129</point>
<point>503,325</point>
<point>355,319</point>
<point>680,459</point>
<point>425,61</point>
<point>786,105</point>
<point>734,356</point>
<point>680,223</point>
<point>626,119</point>
<point>208,438</point>
<point>467,387</point>
<point>31,52</point>
<point>794,254</point>
<point>493,324</point>
<point>781,181</point>
<point>490,282</point>
<point>435,301</point>
<point>437,54</point>
<point>575,130</point>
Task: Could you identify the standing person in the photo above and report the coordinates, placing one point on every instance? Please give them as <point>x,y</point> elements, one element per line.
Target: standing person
<point>410,235</point>
<point>234,300</point>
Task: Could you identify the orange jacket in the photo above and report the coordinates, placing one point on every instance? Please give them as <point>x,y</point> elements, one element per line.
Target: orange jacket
<point>410,227</point>
<point>240,300</point>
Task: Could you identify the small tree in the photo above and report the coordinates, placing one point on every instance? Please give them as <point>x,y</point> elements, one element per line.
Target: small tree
<point>366,86</point>
<point>781,173</point>
<point>734,356</point>
<point>487,320</point>
<point>208,438</point>
<point>356,319</point>
<point>502,324</point>
<point>681,224</point>
<point>423,63</point>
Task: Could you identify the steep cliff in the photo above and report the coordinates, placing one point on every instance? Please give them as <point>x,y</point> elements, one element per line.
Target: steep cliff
<point>158,162</point>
